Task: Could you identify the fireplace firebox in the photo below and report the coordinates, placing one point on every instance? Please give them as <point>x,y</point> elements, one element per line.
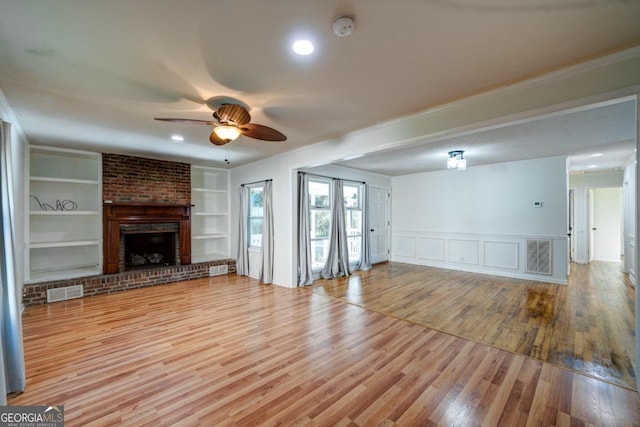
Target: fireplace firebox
<point>145,236</point>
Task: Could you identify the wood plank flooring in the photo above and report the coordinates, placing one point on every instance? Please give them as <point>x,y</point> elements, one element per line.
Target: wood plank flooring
<point>228,351</point>
<point>587,326</point>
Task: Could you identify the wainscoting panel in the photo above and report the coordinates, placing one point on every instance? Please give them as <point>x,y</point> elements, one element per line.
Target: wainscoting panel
<point>495,254</point>
<point>501,254</point>
<point>464,251</point>
<point>430,248</point>
<point>404,246</point>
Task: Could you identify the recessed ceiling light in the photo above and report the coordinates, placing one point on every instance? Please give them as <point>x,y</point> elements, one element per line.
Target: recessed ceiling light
<point>592,166</point>
<point>303,47</point>
<point>177,137</point>
<point>597,155</point>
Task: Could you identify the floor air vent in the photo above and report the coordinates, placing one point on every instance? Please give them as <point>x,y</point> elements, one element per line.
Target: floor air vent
<point>61,294</point>
<point>539,257</point>
<point>218,270</point>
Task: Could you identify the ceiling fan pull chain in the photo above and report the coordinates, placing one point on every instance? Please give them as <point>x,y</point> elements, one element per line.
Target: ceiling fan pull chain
<point>226,160</point>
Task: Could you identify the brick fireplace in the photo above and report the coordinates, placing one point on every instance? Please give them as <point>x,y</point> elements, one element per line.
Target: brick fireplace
<point>145,200</point>
<point>140,197</point>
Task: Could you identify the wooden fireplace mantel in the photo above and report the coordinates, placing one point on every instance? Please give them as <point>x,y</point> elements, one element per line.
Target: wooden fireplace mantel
<point>115,214</point>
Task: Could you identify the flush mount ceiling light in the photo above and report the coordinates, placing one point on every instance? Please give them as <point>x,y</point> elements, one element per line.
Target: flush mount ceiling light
<point>456,160</point>
<point>303,47</point>
<point>177,137</point>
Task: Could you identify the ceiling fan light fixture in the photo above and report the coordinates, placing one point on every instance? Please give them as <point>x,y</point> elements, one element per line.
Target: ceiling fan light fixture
<point>227,133</point>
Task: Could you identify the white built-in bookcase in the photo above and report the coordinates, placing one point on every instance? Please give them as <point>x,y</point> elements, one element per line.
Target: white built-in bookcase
<point>65,214</point>
<point>210,214</point>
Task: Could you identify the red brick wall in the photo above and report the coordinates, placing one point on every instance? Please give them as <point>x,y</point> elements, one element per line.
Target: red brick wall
<point>140,180</point>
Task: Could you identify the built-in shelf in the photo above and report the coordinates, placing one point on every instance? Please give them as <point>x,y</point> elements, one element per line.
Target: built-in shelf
<point>209,190</point>
<point>35,245</point>
<point>63,213</point>
<point>63,243</point>
<point>209,214</point>
<point>209,236</point>
<point>64,180</point>
<point>66,273</point>
<point>209,257</point>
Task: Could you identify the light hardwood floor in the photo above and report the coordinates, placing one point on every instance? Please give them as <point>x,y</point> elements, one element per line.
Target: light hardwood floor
<point>228,351</point>
<point>587,326</point>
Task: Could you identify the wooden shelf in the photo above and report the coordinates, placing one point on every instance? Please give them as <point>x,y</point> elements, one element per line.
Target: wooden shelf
<point>64,180</point>
<point>210,214</point>
<point>209,190</point>
<point>208,257</point>
<point>66,273</point>
<point>39,245</point>
<point>209,236</point>
<point>70,213</point>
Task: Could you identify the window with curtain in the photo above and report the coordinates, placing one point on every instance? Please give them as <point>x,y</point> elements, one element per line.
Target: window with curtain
<point>352,194</point>
<point>256,215</point>
<point>320,210</point>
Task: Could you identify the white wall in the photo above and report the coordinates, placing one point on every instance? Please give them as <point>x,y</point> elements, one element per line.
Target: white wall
<point>480,219</point>
<point>580,184</point>
<point>19,146</point>
<point>283,228</point>
<point>336,171</point>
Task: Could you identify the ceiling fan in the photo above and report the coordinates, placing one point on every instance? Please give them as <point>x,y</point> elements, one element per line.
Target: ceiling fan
<point>231,121</point>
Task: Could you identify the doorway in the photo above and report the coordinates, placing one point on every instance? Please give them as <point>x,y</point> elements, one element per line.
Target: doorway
<point>379,223</point>
<point>605,224</point>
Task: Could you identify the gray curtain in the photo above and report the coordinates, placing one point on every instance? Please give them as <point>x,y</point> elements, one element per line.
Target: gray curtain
<point>12,373</point>
<point>266,266</point>
<point>338,259</point>
<point>242,263</point>
<point>305,275</point>
<point>365,260</point>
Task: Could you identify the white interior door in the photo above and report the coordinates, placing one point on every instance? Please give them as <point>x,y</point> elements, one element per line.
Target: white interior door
<point>606,225</point>
<point>379,222</point>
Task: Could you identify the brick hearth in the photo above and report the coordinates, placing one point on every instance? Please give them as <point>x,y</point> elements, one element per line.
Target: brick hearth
<point>36,294</point>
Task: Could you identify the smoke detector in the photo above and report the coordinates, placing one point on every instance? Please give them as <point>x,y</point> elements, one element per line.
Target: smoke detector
<point>343,26</point>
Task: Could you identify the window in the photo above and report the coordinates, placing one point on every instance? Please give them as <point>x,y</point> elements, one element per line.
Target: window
<point>320,199</point>
<point>256,215</point>
<point>320,208</point>
<point>353,220</point>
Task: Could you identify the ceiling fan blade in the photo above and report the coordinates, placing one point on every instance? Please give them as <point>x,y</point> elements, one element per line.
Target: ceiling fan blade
<point>233,113</point>
<point>264,133</point>
<point>190,121</point>
<point>216,140</point>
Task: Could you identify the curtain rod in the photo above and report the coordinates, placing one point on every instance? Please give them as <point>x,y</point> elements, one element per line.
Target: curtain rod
<point>256,182</point>
<point>331,177</point>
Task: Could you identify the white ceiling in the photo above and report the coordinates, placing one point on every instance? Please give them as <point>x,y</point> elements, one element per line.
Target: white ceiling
<point>93,74</point>
<point>601,137</point>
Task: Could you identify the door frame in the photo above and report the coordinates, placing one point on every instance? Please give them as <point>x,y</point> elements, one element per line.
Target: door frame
<point>388,216</point>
